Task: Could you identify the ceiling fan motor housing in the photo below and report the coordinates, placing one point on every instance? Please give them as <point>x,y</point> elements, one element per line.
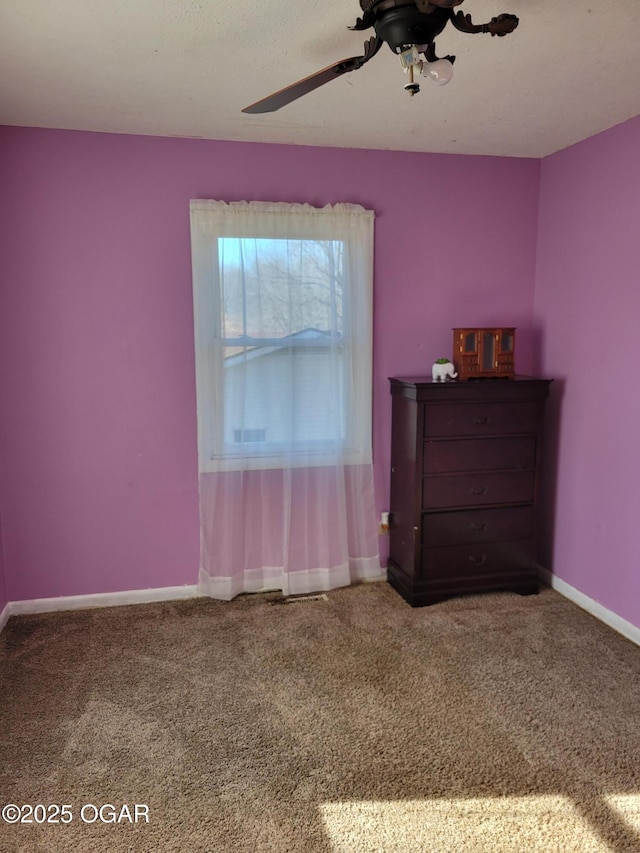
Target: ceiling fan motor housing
<point>403,26</point>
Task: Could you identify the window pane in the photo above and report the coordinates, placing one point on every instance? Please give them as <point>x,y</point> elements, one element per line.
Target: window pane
<point>287,296</point>
<point>283,395</point>
<point>276,288</point>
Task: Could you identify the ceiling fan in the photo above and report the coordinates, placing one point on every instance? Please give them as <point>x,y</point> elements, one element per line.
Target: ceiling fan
<point>410,28</point>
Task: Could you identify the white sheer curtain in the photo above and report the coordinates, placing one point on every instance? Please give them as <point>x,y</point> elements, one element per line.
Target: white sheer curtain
<point>283,328</point>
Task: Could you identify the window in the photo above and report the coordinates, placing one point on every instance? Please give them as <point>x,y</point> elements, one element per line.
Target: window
<point>282,300</point>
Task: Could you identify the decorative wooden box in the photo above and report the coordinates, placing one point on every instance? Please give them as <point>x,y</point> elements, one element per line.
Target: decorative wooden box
<point>484,353</point>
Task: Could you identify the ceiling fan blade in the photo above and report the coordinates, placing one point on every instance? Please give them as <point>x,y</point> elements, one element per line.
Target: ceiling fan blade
<point>296,90</point>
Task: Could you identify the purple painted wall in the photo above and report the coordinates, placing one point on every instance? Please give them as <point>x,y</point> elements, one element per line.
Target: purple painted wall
<point>4,597</point>
<point>98,424</point>
<point>587,306</point>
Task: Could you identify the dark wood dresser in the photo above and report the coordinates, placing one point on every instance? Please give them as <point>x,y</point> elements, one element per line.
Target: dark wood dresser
<point>465,460</point>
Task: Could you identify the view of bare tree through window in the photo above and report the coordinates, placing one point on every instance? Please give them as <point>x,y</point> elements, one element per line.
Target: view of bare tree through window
<point>282,323</point>
<point>278,288</point>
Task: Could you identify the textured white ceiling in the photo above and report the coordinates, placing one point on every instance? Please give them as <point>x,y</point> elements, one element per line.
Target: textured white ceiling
<point>188,67</point>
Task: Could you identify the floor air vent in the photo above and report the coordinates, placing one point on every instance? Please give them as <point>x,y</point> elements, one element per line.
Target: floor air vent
<point>301,599</point>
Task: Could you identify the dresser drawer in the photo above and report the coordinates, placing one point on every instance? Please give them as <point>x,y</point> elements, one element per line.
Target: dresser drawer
<point>476,526</point>
<point>479,489</point>
<point>469,561</point>
<point>479,454</point>
<point>481,418</point>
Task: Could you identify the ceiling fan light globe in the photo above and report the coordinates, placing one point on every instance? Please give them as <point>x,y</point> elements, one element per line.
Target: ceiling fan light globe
<point>440,71</point>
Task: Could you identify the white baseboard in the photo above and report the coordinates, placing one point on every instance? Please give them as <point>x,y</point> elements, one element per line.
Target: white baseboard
<point>4,616</point>
<point>104,599</point>
<point>101,599</point>
<point>172,593</point>
<point>627,629</point>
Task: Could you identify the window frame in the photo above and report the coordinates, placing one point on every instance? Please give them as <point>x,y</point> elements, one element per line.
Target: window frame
<point>211,220</point>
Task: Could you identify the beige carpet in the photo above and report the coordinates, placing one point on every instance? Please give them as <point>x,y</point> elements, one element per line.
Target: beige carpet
<point>490,724</point>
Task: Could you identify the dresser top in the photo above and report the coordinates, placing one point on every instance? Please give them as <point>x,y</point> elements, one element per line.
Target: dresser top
<point>424,388</point>
<point>427,380</point>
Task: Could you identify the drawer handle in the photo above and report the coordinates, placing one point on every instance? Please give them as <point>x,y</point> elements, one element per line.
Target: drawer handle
<point>482,491</point>
<point>478,561</point>
<point>486,420</point>
<point>480,527</point>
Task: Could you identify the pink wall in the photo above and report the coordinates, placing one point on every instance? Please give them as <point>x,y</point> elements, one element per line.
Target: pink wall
<point>98,424</point>
<point>4,597</point>
<point>587,305</point>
